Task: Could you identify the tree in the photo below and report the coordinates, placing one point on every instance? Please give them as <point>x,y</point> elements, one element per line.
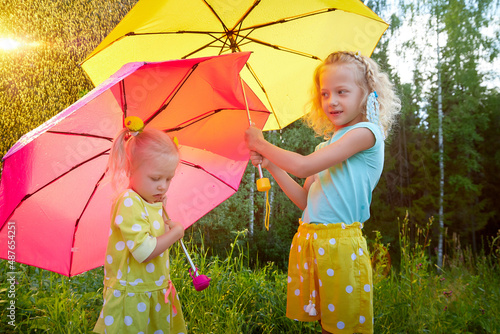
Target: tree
<point>464,124</point>
<point>463,48</point>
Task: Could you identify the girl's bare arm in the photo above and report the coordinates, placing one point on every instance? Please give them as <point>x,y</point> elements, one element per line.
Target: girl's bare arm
<point>352,142</point>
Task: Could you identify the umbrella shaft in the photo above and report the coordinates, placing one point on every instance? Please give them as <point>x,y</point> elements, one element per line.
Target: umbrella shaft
<point>189,258</point>
<point>260,171</point>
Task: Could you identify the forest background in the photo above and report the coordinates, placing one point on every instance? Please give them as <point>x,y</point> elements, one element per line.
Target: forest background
<point>41,77</point>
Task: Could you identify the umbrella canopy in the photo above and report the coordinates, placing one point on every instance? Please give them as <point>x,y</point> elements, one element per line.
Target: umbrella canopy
<point>288,40</point>
<point>52,191</point>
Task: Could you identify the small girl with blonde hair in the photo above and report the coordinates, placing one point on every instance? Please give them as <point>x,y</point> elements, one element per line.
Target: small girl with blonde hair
<point>329,270</point>
<point>139,296</point>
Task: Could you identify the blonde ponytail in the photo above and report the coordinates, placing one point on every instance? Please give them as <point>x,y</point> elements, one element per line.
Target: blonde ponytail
<point>118,163</point>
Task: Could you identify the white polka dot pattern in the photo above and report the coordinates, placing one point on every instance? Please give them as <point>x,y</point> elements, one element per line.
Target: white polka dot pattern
<point>134,222</point>
<point>329,268</point>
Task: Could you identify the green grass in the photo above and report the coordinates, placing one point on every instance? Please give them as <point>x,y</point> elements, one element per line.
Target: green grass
<point>462,297</point>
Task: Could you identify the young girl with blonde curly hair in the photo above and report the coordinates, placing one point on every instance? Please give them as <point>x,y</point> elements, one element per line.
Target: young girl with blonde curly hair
<point>329,272</point>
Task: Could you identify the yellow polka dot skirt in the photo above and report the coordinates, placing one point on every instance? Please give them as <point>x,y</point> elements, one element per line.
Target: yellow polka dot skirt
<point>330,278</point>
<point>140,312</point>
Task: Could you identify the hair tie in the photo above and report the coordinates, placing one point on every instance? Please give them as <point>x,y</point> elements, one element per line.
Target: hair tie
<point>373,111</point>
<point>134,125</point>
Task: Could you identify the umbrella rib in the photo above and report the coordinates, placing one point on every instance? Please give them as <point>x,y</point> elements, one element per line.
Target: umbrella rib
<point>291,18</point>
<point>282,48</point>
<point>216,15</point>
<point>190,164</point>
<point>193,120</point>
<point>254,75</point>
<point>210,44</point>
<point>305,15</point>
<point>276,47</point>
<point>230,37</point>
<point>199,32</point>
<point>80,217</point>
<point>123,98</point>
<point>172,95</point>
<point>224,44</point>
<point>90,198</point>
<point>79,134</point>
<point>210,113</point>
<point>204,46</point>
<point>57,178</point>
<point>210,33</point>
<point>249,10</point>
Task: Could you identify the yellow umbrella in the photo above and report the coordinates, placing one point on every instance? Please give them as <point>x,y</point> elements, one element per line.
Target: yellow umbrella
<point>288,40</point>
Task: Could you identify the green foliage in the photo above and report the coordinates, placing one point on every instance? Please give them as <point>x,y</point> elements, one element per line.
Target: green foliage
<point>239,299</point>
<point>410,180</point>
<point>461,297</point>
<point>465,120</point>
<point>72,309</point>
<point>491,162</point>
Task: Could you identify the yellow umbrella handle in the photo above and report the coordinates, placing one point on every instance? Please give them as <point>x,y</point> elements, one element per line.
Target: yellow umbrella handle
<point>263,183</point>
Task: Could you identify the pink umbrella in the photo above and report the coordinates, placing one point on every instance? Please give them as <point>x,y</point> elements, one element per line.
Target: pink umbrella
<point>53,198</point>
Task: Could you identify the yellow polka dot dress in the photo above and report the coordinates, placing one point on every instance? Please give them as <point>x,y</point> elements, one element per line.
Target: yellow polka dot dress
<point>138,296</point>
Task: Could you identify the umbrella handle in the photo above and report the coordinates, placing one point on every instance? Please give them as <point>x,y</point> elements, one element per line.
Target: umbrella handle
<point>263,183</point>
<point>200,282</point>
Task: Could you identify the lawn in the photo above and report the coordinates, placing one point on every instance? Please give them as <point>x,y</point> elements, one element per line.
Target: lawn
<point>414,296</point>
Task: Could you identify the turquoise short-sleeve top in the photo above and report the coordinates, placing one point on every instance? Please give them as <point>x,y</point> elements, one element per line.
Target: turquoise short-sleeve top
<point>343,193</point>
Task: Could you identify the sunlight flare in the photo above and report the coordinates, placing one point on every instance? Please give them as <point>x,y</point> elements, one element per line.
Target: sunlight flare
<point>8,44</point>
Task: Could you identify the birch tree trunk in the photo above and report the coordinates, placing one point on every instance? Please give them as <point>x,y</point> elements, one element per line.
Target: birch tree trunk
<point>441,153</point>
<point>252,208</point>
